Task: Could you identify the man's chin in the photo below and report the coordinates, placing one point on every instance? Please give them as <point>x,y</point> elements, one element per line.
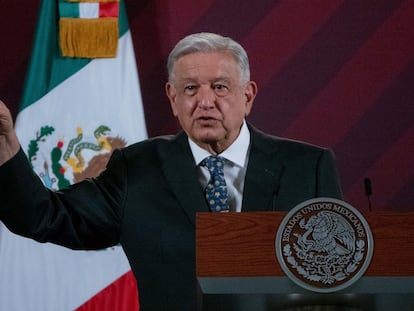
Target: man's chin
<point>209,137</point>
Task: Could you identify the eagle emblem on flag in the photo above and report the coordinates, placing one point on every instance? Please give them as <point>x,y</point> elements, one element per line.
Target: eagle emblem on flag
<point>67,161</point>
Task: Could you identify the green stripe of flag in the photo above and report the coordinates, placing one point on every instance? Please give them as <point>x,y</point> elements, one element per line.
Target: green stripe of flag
<point>68,9</point>
<point>47,68</point>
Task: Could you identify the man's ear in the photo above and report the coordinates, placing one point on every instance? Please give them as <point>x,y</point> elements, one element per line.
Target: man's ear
<point>250,93</point>
<point>171,94</point>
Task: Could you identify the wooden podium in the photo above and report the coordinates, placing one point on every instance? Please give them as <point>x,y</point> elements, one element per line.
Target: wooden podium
<point>237,267</point>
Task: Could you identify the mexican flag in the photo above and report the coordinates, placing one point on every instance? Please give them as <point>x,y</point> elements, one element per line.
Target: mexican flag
<point>81,101</point>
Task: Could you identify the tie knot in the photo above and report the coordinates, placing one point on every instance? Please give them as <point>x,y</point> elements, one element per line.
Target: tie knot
<point>214,163</point>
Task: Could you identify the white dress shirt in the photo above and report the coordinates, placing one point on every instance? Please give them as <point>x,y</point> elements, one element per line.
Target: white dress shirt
<point>235,165</point>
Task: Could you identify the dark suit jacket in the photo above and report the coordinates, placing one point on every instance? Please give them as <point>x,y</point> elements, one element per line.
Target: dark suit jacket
<point>147,200</point>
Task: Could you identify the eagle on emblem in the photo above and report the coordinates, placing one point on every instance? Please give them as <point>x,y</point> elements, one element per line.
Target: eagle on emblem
<point>53,171</point>
<point>327,232</point>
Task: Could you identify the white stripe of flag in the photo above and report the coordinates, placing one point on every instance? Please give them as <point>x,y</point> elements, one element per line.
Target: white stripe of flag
<point>89,10</point>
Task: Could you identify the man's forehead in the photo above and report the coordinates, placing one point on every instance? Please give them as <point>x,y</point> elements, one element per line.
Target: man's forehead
<point>207,59</point>
<point>208,66</point>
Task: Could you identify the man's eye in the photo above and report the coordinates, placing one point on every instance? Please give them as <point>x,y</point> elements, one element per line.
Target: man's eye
<point>221,89</point>
<point>190,89</point>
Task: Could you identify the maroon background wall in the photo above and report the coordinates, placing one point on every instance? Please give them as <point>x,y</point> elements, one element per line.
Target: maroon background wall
<point>331,72</point>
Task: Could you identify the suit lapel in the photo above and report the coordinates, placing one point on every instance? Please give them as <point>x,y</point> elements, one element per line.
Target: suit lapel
<point>262,179</point>
<point>263,174</point>
<point>181,173</point>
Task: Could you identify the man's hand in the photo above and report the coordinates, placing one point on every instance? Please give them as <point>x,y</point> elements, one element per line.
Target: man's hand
<point>9,143</point>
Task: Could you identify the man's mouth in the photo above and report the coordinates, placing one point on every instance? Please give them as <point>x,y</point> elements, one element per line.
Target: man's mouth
<point>205,120</point>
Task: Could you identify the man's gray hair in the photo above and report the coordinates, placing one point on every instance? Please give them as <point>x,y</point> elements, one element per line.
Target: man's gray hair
<point>207,43</point>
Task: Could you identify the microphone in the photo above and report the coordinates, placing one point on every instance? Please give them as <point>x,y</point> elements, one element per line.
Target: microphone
<point>368,191</point>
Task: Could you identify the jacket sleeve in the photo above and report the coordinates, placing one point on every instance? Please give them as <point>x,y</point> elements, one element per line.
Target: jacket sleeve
<point>83,216</point>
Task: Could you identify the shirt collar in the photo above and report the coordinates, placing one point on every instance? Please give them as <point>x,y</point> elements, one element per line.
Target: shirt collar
<point>235,153</point>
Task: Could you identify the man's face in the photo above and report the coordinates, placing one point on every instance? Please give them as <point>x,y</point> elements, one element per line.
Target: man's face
<point>209,99</point>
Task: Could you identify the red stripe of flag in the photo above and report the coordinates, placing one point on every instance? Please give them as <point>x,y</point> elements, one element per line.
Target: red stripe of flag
<point>108,9</point>
<point>121,295</point>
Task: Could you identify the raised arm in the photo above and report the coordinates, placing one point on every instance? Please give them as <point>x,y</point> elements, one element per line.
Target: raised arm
<point>9,143</point>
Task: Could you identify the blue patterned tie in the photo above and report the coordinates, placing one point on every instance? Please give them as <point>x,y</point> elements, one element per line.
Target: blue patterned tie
<point>216,190</point>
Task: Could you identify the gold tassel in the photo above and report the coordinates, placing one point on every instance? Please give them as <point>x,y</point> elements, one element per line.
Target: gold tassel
<point>89,37</point>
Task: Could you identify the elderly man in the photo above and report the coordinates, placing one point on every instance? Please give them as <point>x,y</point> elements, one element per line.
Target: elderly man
<point>148,196</point>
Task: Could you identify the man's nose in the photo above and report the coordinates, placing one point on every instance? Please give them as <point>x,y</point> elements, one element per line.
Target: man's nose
<point>206,97</point>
